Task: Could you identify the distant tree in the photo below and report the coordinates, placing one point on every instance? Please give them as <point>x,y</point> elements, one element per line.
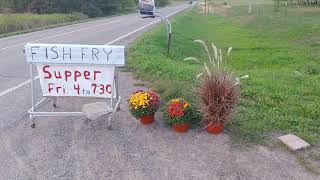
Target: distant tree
<point>93,8</point>
<point>4,6</point>
<point>161,3</point>
<point>90,7</point>
<point>128,4</point>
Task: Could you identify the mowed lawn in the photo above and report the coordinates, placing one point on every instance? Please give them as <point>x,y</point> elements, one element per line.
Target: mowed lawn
<point>281,54</point>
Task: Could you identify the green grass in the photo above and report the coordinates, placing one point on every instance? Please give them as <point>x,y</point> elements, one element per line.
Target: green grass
<point>280,54</point>
<point>15,23</point>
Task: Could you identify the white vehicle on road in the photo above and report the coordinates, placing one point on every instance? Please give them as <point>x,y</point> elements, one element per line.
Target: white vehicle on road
<point>147,7</point>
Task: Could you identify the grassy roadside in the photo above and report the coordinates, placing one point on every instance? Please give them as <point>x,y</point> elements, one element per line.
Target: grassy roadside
<point>20,23</point>
<point>281,55</point>
<point>11,24</point>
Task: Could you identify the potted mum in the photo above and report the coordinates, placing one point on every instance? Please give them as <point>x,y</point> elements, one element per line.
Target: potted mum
<point>178,113</point>
<point>143,105</point>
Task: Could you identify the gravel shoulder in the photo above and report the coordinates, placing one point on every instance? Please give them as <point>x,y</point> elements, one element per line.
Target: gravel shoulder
<point>75,148</point>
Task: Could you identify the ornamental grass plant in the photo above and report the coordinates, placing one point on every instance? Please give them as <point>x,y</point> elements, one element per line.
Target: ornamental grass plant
<point>218,90</point>
<point>218,94</point>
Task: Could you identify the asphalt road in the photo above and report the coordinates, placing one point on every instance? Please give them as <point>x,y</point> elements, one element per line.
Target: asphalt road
<point>14,69</point>
<point>14,74</point>
<point>76,148</point>
<point>119,30</point>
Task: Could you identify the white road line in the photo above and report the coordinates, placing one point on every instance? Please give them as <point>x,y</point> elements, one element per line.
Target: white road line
<point>14,88</point>
<point>56,35</point>
<point>17,86</point>
<point>137,30</point>
<point>28,81</point>
<point>150,24</point>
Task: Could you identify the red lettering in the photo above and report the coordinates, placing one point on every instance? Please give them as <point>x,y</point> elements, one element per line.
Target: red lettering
<point>76,75</point>
<point>94,86</point>
<point>101,89</point>
<point>44,69</point>
<point>77,88</point>
<point>58,89</point>
<point>67,74</point>
<point>50,88</point>
<point>87,75</point>
<point>108,89</point>
<point>95,74</point>
<point>57,74</point>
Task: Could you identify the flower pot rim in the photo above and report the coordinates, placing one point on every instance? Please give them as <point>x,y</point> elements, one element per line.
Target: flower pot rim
<point>215,128</point>
<point>212,124</point>
<point>179,123</point>
<point>181,128</point>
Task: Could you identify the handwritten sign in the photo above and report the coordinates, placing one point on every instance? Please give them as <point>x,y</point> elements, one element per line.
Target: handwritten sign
<point>75,54</point>
<point>76,70</point>
<point>91,81</point>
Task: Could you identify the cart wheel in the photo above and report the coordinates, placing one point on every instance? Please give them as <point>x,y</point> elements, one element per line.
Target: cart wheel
<point>55,100</point>
<point>33,125</point>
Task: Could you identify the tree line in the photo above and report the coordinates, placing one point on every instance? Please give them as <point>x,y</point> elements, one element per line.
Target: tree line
<point>93,8</point>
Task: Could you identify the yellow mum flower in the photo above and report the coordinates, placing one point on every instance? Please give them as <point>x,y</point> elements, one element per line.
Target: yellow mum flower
<point>175,100</point>
<point>140,100</point>
<point>186,105</point>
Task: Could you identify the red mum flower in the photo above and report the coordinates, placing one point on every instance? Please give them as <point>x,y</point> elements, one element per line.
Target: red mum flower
<point>175,109</point>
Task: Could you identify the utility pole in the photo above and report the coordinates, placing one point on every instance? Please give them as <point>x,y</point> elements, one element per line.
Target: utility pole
<point>205,6</point>
<point>250,7</point>
<point>150,12</point>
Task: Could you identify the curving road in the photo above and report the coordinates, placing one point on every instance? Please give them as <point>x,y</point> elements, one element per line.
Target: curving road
<point>115,30</point>
<point>19,158</point>
<point>75,148</point>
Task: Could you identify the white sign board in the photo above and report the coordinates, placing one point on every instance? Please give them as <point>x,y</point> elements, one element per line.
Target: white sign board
<point>76,70</point>
<point>85,81</point>
<point>75,54</point>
